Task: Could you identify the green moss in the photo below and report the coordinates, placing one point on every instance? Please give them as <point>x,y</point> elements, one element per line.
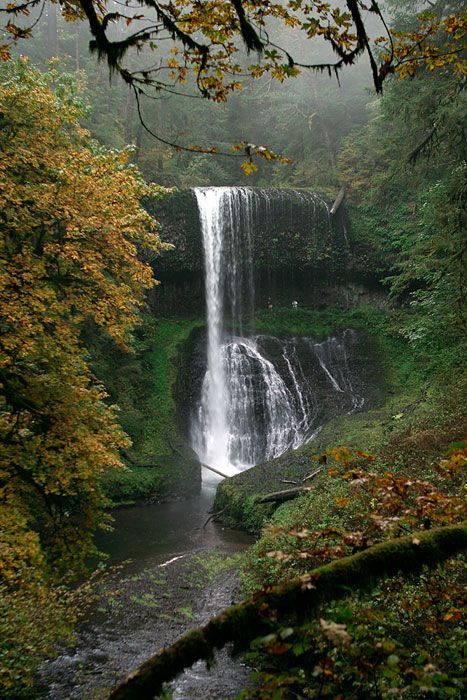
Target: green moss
<point>316,323</point>
<point>141,383</point>
<point>211,563</point>
<point>160,426</point>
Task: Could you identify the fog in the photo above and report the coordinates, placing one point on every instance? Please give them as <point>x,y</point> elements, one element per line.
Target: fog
<point>305,118</point>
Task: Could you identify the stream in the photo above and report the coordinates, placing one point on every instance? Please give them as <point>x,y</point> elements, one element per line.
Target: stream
<point>170,575</point>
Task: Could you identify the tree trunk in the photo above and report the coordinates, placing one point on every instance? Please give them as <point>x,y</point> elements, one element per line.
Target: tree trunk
<point>52,29</point>
<point>281,496</point>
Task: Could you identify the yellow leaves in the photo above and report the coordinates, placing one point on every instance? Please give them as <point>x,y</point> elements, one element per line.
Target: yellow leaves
<point>5,52</point>
<point>67,254</point>
<point>248,167</point>
<point>456,24</point>
<point>436,43</point>
<point>253,151</point>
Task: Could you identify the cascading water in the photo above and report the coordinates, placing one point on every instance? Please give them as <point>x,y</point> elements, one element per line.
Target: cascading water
<point>226,223</point>
<point>261,395</point>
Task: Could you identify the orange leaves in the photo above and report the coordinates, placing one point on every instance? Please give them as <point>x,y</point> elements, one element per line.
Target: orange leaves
<point>456,463</point>
<point>341,455</point>
<point>383,505</point>
<point>453,615</point>
<point>5,52</point>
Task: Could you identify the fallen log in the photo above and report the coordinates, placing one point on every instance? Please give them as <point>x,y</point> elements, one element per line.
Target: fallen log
<point>216,471</point>
<point>205,466</point>
<point>338,201</point>
<point>301,597</point>
<point>313,474</point>
<point>281,496</point>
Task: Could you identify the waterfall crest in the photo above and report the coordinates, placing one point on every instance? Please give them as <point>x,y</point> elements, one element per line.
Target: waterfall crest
<point>261,395</point>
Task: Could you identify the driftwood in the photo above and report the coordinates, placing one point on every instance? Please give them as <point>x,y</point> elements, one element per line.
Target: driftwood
<point>280,496</point>
<point>313,474</point>
<point>214,515</point>
<point>287,481</point>
<point>300,597</point>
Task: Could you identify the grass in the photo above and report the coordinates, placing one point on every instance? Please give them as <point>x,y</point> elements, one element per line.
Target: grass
<point>316,323</point>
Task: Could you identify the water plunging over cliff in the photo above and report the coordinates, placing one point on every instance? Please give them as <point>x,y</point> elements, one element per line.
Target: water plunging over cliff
<point>261,395</point>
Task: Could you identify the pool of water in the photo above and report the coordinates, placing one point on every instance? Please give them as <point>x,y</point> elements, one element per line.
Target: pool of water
<point>150,534</point>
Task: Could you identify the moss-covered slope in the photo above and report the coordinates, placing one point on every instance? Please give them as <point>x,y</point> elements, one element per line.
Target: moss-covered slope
<point>409,408</point>
<point>160,464</point>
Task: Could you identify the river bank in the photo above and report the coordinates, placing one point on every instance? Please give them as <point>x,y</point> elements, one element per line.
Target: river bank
<point>171,574</point>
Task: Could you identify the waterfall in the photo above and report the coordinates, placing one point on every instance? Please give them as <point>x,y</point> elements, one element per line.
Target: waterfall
<point>260,395</point>
<point>226,216</point>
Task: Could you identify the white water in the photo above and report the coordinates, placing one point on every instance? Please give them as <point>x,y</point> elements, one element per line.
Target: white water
<point>256,401</point>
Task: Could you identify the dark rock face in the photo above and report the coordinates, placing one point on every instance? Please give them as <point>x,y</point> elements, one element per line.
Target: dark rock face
<point>299,252</point>
<point>291,229</point>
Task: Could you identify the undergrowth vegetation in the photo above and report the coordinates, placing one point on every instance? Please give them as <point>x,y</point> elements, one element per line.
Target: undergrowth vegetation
<point>405,470</point>
<point>403,639</point>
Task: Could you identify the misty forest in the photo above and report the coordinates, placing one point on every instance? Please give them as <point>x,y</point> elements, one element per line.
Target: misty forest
<point>233,316</point>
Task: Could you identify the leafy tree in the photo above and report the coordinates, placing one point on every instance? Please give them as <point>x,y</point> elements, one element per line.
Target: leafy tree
<point>405,174</point>
<point>70,225</point>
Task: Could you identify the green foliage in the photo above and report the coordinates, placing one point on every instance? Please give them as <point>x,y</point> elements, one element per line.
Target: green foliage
<point>320,324</point>
<point>435,259</point>
<point>403,640</point>
<point>32,621</point>
<point>141,384</point>
<point>406,177</point>
<point>134,484</point>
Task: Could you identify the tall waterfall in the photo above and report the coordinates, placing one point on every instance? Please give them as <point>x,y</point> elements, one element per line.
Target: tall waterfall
<point>261,395</point>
